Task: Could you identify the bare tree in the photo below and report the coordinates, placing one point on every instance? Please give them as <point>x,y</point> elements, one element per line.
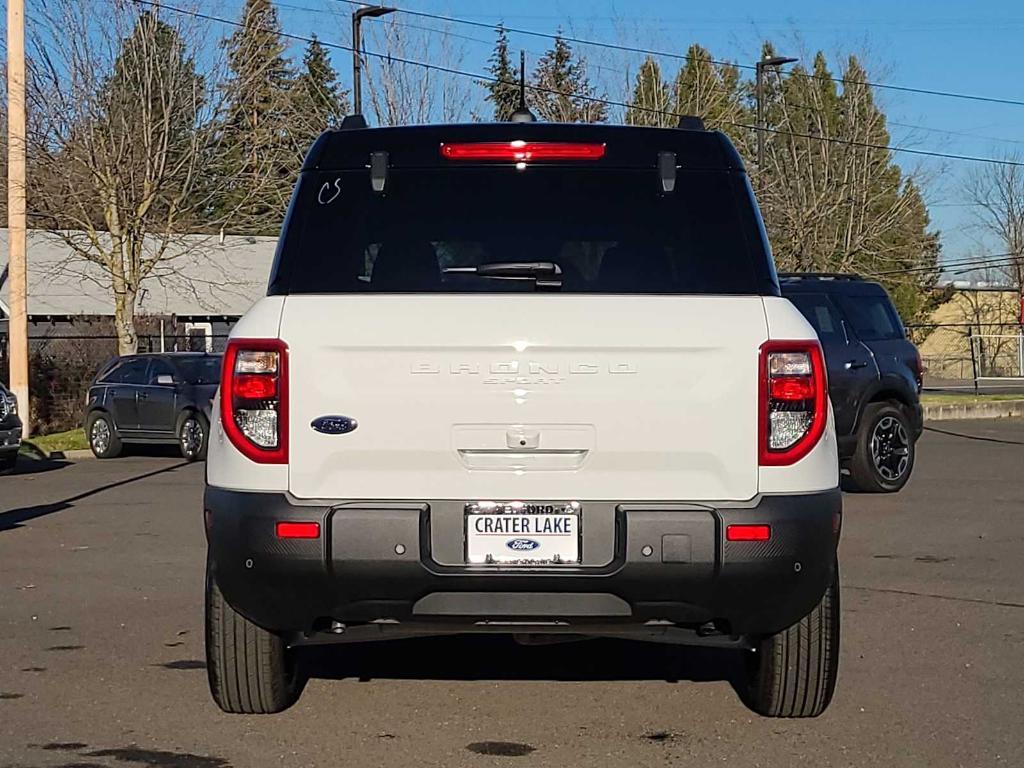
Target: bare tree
<point>997,192</point>
<point>404,93</point>
<point>123,131</point>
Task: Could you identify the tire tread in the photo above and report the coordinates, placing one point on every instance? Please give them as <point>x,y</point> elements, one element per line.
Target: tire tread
<point>794,672</point>
<point>246,664</point>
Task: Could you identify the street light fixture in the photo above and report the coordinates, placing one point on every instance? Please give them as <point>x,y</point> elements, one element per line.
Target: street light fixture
<point>358,15</point>
<point>760,67</point>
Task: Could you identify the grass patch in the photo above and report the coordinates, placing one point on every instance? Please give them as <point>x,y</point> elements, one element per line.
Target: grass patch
<point>72,440</point>
<point>944,398</point>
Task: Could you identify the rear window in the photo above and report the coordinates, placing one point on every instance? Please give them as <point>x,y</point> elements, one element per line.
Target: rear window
<point>609,231</point>
<point>873,317</point>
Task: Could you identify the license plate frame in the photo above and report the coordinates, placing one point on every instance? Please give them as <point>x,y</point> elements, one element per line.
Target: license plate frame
<point>519,528</point>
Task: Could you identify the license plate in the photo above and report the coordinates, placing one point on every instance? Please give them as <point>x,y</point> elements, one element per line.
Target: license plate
<point>522,533</point>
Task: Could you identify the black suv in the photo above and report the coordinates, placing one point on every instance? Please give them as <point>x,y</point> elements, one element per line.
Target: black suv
<point>159,398</point>
<point>874,375</point>
<point>10,430</point>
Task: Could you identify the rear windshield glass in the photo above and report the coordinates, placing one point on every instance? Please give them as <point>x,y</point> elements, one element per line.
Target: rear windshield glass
<point>609,231</point>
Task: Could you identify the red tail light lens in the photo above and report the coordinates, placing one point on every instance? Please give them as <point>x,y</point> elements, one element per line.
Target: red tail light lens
<point>522,151</point>
<point>254,398</point>
<point>254,386</point>
<point>793,401</point>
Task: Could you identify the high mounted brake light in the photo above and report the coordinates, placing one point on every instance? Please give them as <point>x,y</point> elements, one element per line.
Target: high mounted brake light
<point>254,398</point>
<point>522,151</point>
<point>793,401</point>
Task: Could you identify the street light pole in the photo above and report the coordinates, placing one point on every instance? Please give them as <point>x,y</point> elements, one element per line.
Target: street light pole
<point>774,61</point>
<point>358,15</point>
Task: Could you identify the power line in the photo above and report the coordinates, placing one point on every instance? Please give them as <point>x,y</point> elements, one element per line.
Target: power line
<point>480,77</point>
<point>684,57</point>
<point>969,263</point>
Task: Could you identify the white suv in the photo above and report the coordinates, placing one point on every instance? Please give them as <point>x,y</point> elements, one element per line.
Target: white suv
<point>528,379</point>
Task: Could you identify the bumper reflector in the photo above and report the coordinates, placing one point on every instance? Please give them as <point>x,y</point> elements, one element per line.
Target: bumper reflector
<point>748,532</point>
<point>298,530</point>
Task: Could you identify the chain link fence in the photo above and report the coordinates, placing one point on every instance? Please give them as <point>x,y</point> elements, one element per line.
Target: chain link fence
<point>979,355</point>
<point>63,366</point>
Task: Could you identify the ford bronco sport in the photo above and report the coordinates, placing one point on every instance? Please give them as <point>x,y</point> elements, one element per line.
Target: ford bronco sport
<point>530,379</point>
<point>874,376</point>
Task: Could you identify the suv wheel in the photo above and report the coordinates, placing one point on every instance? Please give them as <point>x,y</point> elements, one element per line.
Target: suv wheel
<point>8,462</point>
<point>884,457</point>
<point>793,673</point>
<point>251,672</point>
<point>103,438</point>
<point>193,435</point>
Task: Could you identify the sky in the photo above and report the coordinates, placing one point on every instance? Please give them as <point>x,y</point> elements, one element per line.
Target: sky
<point>972,48</point>
<point>966,47</point>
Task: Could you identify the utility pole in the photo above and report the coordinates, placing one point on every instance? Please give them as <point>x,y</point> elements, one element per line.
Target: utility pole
<point>759,68</point>
<point>17,276</point>
<point>358,15</point>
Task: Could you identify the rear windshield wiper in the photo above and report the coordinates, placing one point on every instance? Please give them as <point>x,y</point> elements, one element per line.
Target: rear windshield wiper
<point>546,274</point>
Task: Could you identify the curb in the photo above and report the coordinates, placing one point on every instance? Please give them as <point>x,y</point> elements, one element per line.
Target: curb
<point>1000,409</point>
<point>78,455</point>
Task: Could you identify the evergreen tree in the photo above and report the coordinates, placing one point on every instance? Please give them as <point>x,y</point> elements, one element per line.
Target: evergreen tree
<point>832,195</point>
<point>562,91</point>
<point>710,91</point>
<point>503,88</point>
<point>650,104</point>
<point>259,147</point>
<point>319,102</point>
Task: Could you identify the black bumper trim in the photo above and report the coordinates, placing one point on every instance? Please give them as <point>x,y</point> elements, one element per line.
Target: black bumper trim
<point>373,563</point>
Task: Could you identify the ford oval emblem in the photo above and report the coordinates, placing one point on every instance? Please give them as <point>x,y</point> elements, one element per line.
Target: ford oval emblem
<point>334,425</point>
<point>523,545</point>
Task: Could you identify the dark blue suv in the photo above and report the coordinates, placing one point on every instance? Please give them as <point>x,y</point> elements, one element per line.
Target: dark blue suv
<point>874,375</point>
<point>158,398</point>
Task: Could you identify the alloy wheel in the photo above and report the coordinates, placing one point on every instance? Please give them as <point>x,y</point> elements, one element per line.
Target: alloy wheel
<point>99,436</point>
<point>191,437</point>
<point>890,448</point>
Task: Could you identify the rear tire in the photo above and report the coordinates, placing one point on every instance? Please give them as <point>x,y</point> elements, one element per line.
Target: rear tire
<point>193,435</point>
<point>793,673</point>
<point>884,457</point>
<point>102,435</point>
<point>251,672</point>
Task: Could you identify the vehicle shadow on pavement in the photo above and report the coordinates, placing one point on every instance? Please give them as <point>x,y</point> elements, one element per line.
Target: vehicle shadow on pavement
<point>496,657</point>
<point>35,466</point>
<point>14,518</point>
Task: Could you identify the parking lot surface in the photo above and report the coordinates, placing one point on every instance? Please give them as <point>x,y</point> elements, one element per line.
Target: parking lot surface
<point>101,646</point>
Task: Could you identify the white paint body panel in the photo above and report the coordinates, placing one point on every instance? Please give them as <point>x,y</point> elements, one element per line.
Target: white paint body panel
<point>819,469</point>
<point>531,397</point>
<point>226,467</point>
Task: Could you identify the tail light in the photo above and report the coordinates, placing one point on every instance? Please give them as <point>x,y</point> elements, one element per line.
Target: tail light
<point>918,367</point>
<point>522,151</point>
<point>254,398</point>
<point>793,401</point>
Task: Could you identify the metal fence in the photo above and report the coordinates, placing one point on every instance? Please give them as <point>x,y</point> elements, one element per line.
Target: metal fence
<point>61,368</point>
<point>978,355</point>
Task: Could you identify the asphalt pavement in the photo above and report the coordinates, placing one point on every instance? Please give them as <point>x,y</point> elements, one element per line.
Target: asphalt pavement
<point>101,646</point>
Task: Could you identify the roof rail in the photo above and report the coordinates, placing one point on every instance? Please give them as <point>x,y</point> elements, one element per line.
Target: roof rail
<point>819,276</point>
<point>691,123</point>
<point>351,122</point>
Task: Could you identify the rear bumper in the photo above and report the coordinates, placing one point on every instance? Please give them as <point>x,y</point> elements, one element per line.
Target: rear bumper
<point>373,564</point>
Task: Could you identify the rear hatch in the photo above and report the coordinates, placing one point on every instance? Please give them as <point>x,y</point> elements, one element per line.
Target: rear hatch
<point>620,363</point>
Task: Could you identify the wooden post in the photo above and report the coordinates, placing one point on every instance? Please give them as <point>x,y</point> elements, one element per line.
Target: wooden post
<point>17,276</point>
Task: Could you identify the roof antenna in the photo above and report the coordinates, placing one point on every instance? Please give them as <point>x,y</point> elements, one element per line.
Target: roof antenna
<point>522,113</point>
